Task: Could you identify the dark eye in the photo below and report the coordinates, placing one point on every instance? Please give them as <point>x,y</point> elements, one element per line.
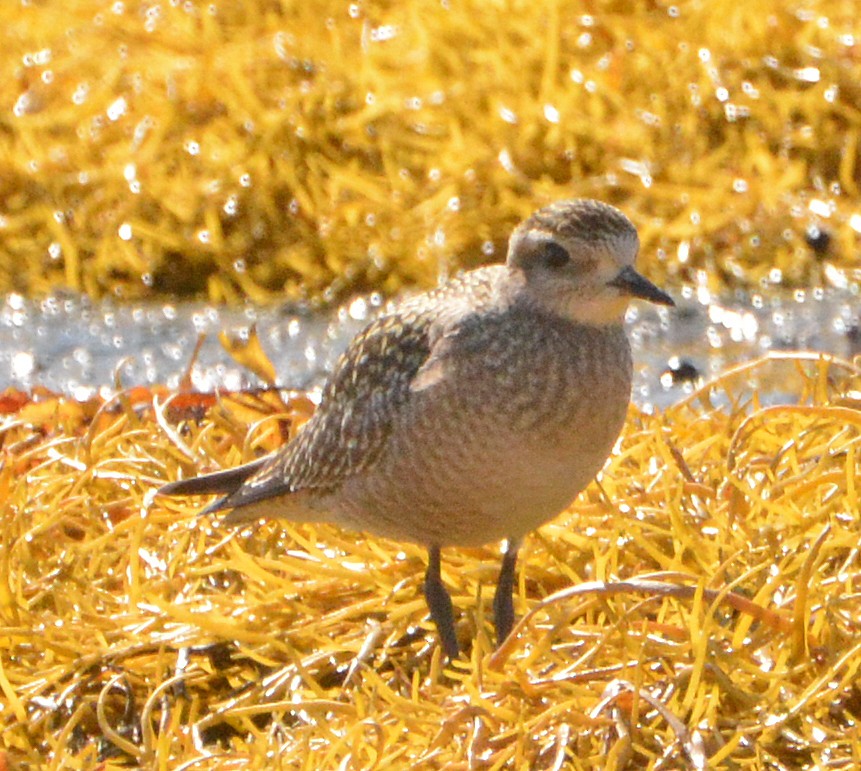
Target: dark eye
<point>554,256</point>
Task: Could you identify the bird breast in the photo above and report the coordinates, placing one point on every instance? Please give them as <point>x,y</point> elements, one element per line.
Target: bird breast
<point>525,415</point>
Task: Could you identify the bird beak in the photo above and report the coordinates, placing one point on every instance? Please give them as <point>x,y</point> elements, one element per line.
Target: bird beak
<point>631,283</point>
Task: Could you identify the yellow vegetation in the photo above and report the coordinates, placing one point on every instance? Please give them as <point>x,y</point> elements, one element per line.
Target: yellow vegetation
<point>700,602</point>
<point>271,149</point>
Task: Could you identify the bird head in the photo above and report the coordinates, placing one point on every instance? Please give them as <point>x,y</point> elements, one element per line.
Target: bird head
<point>576,259</point>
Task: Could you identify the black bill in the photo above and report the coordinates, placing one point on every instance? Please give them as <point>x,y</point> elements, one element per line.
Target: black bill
<point>633,284</point>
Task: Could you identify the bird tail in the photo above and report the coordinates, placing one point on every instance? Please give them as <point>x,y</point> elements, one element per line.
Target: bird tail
<point>225,482</point>
<point>247,504</point>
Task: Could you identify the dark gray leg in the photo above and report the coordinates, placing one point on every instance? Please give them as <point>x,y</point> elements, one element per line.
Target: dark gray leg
<point>503,603</point>
<point>439,602</point>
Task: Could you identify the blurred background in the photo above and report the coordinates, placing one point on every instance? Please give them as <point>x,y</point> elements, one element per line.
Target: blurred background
<point>170,168</point>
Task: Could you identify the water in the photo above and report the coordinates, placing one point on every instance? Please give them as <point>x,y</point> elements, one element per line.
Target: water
<point>76,346</point>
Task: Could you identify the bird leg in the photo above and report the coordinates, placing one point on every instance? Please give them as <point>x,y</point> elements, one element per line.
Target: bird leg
<point>439,602</point>
<point>503,603</point>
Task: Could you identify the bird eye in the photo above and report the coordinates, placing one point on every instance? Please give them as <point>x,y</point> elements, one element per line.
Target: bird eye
<point>554,255</point>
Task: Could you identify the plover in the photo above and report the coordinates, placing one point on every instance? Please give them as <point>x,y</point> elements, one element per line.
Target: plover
<point>472,413</point>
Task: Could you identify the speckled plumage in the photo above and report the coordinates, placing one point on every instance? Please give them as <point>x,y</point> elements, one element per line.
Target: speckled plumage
<point>471,413</point>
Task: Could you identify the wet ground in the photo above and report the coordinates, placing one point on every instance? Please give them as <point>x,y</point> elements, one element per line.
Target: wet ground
<point>76,346</point>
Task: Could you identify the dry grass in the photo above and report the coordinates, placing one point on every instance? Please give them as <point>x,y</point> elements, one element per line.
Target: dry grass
<point>698,606</point>
<point>275,149</point>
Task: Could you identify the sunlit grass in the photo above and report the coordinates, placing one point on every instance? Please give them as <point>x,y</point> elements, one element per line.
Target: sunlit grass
<point>699,602</point>
<point>273,150</point>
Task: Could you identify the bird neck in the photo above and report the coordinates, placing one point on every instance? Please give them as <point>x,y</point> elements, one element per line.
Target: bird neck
<point>560,301</point>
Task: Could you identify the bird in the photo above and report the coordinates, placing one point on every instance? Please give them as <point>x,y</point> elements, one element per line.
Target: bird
<point>471,413</point>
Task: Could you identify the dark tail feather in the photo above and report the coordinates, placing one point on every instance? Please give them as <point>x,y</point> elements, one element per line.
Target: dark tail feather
<point>226,481</point>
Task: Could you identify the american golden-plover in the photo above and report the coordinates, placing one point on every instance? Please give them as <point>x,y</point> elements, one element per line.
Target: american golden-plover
<point>469,414</point>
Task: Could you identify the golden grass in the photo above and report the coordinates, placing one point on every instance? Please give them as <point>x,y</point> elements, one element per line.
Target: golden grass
<point>698,605</point>
<point>272,149</point>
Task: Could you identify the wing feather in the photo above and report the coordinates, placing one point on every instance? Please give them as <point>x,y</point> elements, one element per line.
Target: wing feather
<point>349,430</point>
<point>372,382</point>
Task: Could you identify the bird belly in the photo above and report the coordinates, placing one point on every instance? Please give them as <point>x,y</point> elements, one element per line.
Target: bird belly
<point>469,474</point>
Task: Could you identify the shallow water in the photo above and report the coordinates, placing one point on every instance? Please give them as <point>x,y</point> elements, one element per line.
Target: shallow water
<point>76,346</point>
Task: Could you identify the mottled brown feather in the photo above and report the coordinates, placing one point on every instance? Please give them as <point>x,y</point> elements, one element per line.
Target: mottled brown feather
<point>369,385</point>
